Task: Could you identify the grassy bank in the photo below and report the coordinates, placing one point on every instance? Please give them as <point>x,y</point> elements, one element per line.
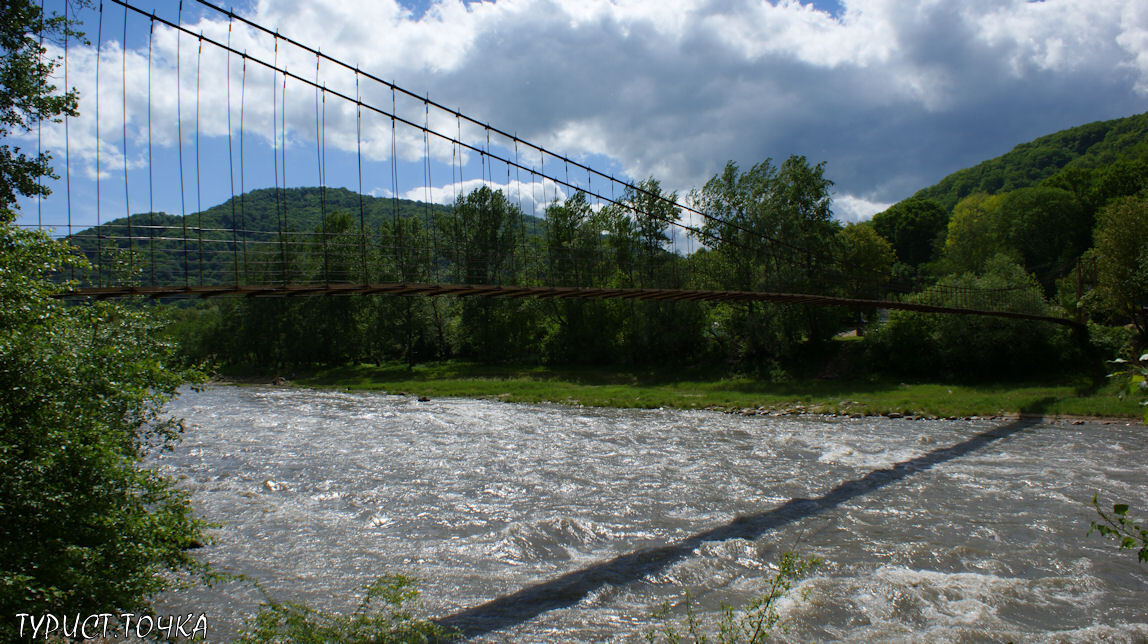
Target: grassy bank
<point>700,390</point>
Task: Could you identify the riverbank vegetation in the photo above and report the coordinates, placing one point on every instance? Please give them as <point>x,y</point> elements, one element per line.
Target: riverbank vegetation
<point>86,527</point>
<point>1062,233</point>
<point>701,389</point>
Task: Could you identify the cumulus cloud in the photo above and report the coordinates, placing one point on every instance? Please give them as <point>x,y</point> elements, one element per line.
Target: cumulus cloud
<point>532,197</point>
<point>851,208</point>
<point>891,95</point>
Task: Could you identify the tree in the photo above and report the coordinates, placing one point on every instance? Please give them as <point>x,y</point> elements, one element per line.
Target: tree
<point>85,527</point>
<point>1121,247</point>
<point>653,213</point>
<point>973,235</point>
<point>484,229</point>
<point>27,95</point>
<point>1046,227</point>
<point>912,227</point>
<point>972,346</point>
<point>769,229</point>
<point>867,260</point>
<point>571,241</point>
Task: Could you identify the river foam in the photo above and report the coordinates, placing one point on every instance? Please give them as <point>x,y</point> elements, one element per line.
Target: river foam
<point>555,523</point>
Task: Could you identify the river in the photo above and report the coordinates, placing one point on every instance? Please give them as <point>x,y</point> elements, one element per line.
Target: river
<point>558,523</point>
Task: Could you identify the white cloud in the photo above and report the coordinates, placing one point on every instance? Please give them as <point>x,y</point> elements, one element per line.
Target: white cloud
<point>893,95</point>
<point>532,198</point>
<point>851,208</point>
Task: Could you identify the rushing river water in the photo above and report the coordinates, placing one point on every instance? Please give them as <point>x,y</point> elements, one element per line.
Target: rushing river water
<point>555,523</point>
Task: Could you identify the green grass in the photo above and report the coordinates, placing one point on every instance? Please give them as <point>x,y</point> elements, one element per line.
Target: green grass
<point>700,389</point>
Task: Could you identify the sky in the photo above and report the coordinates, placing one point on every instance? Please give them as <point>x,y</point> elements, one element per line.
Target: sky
<point>891,95</point>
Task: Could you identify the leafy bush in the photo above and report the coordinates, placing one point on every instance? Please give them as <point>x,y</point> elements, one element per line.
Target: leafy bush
<point>972,346</point>
<point>391,622</point>
<point>752,624</point>
<point>1110,342</point>
<point>1121,527</point>
<point>84,528</point>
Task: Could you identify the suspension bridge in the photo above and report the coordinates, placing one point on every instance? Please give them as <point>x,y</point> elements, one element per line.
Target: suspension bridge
<point>528,221</point>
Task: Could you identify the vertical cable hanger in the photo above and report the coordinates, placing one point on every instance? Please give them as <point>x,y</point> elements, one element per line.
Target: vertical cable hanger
<point>279,215</point>
<point>283,146</point>
<point>482,157</point>
<point>534,195</point>
<point>519,262</point>
<point>319,164</point>
<point>231,168</point>
<point>150,165</point>
<point>68,143</point>
<point>242,182</point>
<point>359,162</point>
<point>198,188</point>
<point>40,121</point>
<point>179,141</point>
<point>455,221</point>
<point>124,96</point>
<point>427,182</point>
<point>323,186</point>
<point>458,142</point>
<point>99,219</point>
<point>518,190</point>
<point>396,231</point>
<point>589,222</point>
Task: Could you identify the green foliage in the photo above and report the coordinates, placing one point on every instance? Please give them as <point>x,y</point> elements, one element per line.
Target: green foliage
<point>868,259</point>
<point>1121,527</point>
<point>746,210</point>
<point>85,527</point>
<point>1097,184</point>
<point>1121,247</point>
<point>1088,146</point>
<point>753,623</point>
<point>1044,229</point>
<point>914,227</point>
<point>482,232</point>
<point>1135,376</point>
<point>383,615</point>
<point>27,95</point>
<point>973,234</point>
<point>927,344</point>
<point>1110,342</point>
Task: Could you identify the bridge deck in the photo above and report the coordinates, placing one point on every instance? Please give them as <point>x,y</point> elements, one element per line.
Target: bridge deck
<point>559,292</point>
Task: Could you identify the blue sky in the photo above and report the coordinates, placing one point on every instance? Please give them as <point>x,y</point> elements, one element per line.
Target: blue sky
<point>891,95</point>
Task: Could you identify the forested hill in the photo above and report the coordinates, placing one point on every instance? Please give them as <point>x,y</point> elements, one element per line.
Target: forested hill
<point>264,210</point>
<point>175,249</point>
<point>1081,148</point>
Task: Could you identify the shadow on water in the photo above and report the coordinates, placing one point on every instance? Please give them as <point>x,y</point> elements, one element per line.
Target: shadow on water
<point>570,588</point>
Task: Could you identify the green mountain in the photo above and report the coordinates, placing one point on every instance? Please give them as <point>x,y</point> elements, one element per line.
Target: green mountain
<point>1082,148</point>
<point>255,235</point>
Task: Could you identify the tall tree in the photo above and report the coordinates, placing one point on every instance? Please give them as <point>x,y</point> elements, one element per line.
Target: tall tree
<point>85,526</point>
<point>27,94</point>
<point>769,228</point>
<point>912,227</point>
<point>1122,261</point>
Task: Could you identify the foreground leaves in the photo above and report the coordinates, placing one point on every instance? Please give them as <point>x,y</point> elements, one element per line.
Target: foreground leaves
<point>1121,527</point>
<point>84,526</point>
<point>753,623</point>
<point>382,616</point>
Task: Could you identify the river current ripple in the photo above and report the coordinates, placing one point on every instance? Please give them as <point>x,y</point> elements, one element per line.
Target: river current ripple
<point>558,523</point>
